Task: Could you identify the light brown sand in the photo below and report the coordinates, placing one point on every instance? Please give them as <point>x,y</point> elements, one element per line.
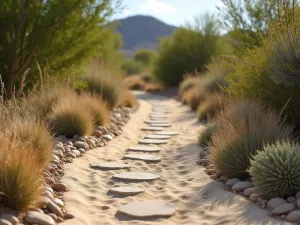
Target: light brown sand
<point>198,199</point>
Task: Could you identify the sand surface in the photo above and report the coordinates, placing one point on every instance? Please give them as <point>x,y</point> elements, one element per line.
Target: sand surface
<point>197,198</point>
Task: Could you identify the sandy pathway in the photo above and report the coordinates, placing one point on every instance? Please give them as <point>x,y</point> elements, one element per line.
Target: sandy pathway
<point>198,199</point>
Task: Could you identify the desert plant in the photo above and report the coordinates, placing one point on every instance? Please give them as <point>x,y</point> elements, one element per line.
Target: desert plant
<point>205,136</point>
<point>128,99</point>
<point>19,176</point>
<point>211,106</point>
<point>70,118</point>
<point>152,87</point>
<point>96,106</point>
<point>190,81</point>
<point>242,130</point>
<point>144,56</point>
<point>132,67</point>
<point>275,170</point>
<point>133,82</point>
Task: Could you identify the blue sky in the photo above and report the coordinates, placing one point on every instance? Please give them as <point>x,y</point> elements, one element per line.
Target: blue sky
<point>174,12</point>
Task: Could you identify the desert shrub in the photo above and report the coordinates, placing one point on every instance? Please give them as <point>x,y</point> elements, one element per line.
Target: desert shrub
<point>33,135</point>
<point>144,56</point>
<point>19,176</point>
<point>128,99</point>
<point>96,106</point>
<point>132,67</point>
<point>242,130</point>
<point>152,87</point>
<point>146,77</point>
<point>134,82</point>
<point>275,170</point>
<point>205,136</point>
<point>189,82</point>
<point>70,118</point>
<point>189,49</point>
<point>196,96</point>
<point>187,95</point>
<point>211,106</point>
<point>102,82</point>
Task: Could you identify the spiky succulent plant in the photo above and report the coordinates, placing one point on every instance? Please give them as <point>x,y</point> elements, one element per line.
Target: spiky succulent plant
<point>276,169</point>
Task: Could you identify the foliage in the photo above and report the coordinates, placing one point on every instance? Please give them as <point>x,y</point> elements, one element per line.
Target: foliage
<point>128,99</point>
<point>275,170</point>
<point>189,49</point>
<point>241,132</point>
<point>131,67</point>
<point>205,136</point>
<point>211,106</point>
<point>144,56</point>
<point>20,184</point>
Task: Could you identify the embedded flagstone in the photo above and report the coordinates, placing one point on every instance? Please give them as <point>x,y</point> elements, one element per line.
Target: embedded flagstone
<point>155,136</point>
<point>168,133</point>
<point>152,128</point>
<point>144,148</point>
<point>156,121</point>
<point>127,190</point>
<point>160,125</point>
<point>136,176</point>
<point>109,165</point>
<point>152,141</point>
<point>148,209</point>
<point>143,157</point>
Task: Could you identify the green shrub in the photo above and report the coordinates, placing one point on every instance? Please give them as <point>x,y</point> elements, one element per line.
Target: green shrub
<point>276,170</point>
<point>131,67</point>
<point>242,130</point>
<point>144,56</point>
<point>205,136</point>
<point>70,118</point>
<point>189,49</point>
<point>20,183</point>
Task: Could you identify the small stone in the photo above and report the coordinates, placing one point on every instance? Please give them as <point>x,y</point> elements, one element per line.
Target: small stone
<point>293,216</point>
<point>53,216</point>
<point>224,178</point>
<point>60,219</point>
<point>260,199</point>
<point>275,202</point>
<point>97,133</point>
<point>107,137</point>
<point>58,202</point>
<point>52,207</point>
<point>11,218</point>
<point>59,187</point>
<point>49,180</point>
<point>5,222</point>
<point>81,144</point>
<point>298,194</point>
<point>70,155</point>
<point>43,202</point>
<point>254,197</point>
<point>282,209</point>
<point>76,152</point>
<point>232,182</point>
<point>241,186</point>
<point>39,218</point>
<point>291,199</point>
<point>249,191</point>
<point>69,215</point>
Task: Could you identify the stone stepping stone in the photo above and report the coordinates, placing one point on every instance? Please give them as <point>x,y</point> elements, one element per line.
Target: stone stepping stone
<point>159,116</point>
<point>126,190</point>
<point>160,125</point>
<point>143,148</point>
<point>147,209</point>
<point>143,157</point>
<point>155,136</point>
<point>109,165</point>
<point>152,141</point>
<point>156,121</point>
<point>152,128</point>
<point>168,133</point>
<point>136,176</point>
<point>160,111</point>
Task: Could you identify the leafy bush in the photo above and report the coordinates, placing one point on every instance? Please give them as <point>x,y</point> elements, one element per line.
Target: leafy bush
<point>128,99</point>
<point>100,81</point>
<point>97,107</point>
<point>205,136</point>
<point>35,136</point>
<point>144,56</point>
<point>241,132</point>
<point>19,176</point>
<point>132,67</point>
<point>70,118</point>
<point>211,106</point>
<point>189,49</point>
<point>134,82</point>
<point>275,170</point>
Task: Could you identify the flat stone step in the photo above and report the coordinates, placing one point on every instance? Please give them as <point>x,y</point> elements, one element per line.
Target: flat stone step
<point>157,121</point>
<point>148,209</point>
<point>127,190</point>
<point>152,128</point>
<point>143,148</point>
<point>143,157</point>
<point>136,176</point>
<point>159,116</point>
<point>160,111</point>
<point>168,133</point>
<point>152,141</point>
<point>109,165</point>
<point>160,125</point>
<point>159,137</point>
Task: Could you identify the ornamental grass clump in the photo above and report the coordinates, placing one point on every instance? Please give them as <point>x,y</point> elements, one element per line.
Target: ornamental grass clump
<point>188,83</point>
<point>243,129</point>
<point>205,136</point>
<point>128,100</point>
<point>276,170</point>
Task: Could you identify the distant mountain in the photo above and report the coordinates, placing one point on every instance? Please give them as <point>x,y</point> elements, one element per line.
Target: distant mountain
<point>140,32</point>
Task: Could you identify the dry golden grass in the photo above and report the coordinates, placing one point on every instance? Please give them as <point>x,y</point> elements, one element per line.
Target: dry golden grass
<point>242,130</point>
<point>211,106</point>
<point>152,87</point>
<point>134,82</point>
<point>188,83</point>
<point>195,97</point>
<point>19,176</point>
<point>128,99</point>
<point>97,107</point>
